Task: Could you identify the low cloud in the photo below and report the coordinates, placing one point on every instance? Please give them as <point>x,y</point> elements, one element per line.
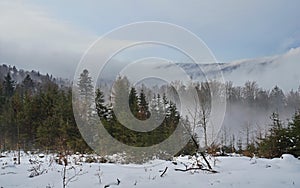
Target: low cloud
<point>281,70</point>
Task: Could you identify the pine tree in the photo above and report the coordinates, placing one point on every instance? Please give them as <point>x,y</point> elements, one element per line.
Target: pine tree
<point>28,84</point>
<point>85,98</point>
<point>101,108</point>
<point>121,94</point>
<point>277,99</point>
<point>144,112</point>
<point>17,105</point>
<point>48,126</point>
<point>133,102</point>
<point>2,97</point>
<point>9,85</point>
<point>277,142</point>
<point>85,84</point>
<point>294,134</point>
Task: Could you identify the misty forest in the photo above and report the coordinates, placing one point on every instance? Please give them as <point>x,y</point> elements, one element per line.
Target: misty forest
<point>143,94</point>
<point>36,115</point>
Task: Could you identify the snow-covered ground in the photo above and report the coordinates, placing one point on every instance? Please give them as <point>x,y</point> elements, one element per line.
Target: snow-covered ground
<point>233,172</point>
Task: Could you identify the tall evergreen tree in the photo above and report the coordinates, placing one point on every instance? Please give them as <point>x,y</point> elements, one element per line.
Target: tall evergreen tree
<point>2,97</point>
<point>100,105</point>
<point>85,99</point>
<point>9,85</point>
<point>277,142</point>
<point>121,93</point>
<point>144,112</point>
<point>85,84</point>
<point>277,99</point>
<point>28,84</point>
<point>133,102</point>
<point>294,134</point>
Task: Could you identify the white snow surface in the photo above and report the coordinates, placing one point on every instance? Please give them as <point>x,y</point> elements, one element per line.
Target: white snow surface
<point>233,171</point>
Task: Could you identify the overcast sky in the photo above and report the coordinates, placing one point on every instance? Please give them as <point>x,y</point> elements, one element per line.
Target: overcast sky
<point>51,36</point>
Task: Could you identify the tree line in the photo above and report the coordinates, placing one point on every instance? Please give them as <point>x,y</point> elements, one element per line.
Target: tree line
<point>37,116</point>
<point>40,116</point>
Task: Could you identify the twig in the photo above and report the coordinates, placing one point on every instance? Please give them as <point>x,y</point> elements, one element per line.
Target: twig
<point>204,169</point>
<point>188,169</point>
<point>164,172</point>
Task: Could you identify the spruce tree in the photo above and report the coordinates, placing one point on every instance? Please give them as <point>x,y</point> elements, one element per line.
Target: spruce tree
<point>144,112</point>
<point>85,98</point>
<point>277,99</point>
<point>28,84</point>
<point>133,102</point>
<point>85,84</point>
<point>101,108</point>
<point>9,85</point>
<point>277,142</point>
<point>294,134</point>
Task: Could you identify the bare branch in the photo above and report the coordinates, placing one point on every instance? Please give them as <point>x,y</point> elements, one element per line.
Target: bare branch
<point>164,172</point>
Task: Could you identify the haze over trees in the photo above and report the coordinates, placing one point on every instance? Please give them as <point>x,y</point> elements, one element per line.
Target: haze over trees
<point>39,115</point>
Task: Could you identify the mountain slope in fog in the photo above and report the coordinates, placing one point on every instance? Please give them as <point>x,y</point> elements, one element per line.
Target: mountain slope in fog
<point>281,70</point>
<point>18,75</point>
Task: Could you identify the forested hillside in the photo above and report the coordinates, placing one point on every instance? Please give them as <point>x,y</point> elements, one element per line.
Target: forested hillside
<point>18,75</point>
<point>38,115</point>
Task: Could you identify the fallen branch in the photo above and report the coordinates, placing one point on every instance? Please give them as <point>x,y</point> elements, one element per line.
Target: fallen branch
<point>201,153</point>
<point>189,169</point>
<point>164,172</point>
<point>206,161</point>
<point>118,183</point>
